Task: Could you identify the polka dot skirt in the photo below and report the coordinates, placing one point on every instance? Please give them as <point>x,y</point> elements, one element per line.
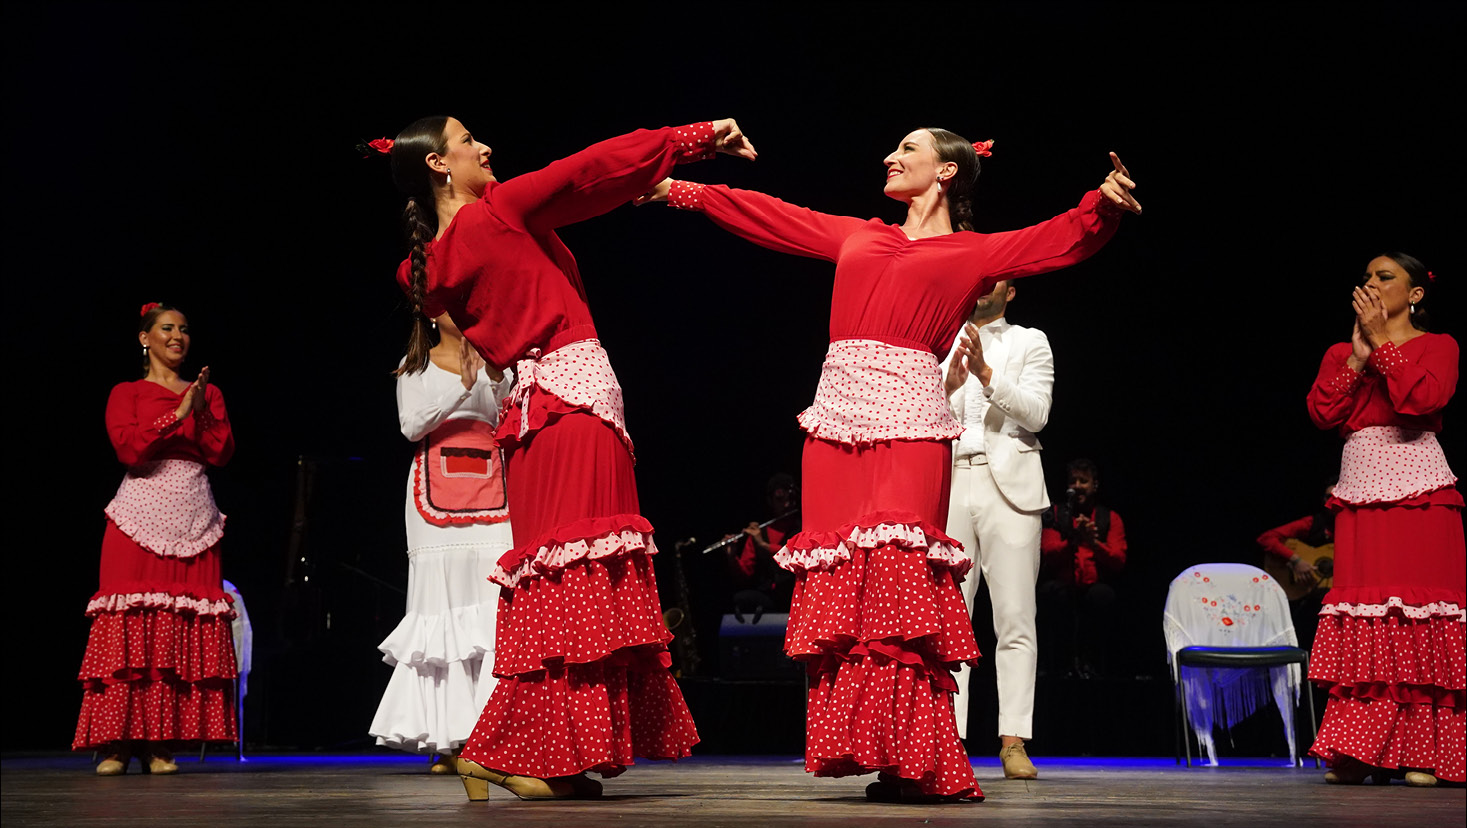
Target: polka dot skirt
<point>157,675</point>
<point>583,673</point>
<point>1386,734</point>
<point>880,633</point>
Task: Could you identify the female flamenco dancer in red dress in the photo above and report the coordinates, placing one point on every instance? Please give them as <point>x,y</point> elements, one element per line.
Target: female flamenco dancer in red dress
<point>1390,643</point>
<point>582,654</point>
<point>877,613</point>
<point>159,666</point>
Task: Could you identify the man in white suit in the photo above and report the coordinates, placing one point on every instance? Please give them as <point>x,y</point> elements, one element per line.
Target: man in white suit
<point>1000,379</point>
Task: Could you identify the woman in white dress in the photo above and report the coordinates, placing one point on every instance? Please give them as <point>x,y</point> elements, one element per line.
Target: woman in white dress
<point>457,520</point>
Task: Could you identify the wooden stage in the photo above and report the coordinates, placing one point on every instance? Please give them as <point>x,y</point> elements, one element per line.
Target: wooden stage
<point>381,789</point>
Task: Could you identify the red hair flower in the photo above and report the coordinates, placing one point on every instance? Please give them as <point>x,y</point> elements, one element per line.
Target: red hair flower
<point>149,306</point>
<point>983,148</point>
<point>381,146</point>
<point>1430,277</point>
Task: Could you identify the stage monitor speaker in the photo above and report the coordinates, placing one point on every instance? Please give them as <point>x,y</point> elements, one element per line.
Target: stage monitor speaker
<point>751,648</point>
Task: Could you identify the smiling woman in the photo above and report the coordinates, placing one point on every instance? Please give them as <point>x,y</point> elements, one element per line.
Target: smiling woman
<point>160,665</point>
<point>877,613</point>
<point>581,652</point>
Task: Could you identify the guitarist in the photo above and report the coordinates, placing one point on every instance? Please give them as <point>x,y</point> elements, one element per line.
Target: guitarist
<point>1316,530</point>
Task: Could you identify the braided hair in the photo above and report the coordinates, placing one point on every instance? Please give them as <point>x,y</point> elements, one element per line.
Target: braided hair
<point>420,223</point>
<point>952,147</point>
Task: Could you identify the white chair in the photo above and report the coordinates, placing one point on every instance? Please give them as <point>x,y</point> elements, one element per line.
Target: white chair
<point>1232,647</point>
<point>244,648</point>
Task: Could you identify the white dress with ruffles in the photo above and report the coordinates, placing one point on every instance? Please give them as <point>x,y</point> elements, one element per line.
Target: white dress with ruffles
<point>442,651</point>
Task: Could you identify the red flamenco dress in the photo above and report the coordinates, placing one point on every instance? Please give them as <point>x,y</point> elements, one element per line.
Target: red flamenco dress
<point>877,614</point>
<point>160,664</point>
<point>581,652</point>
<point>1390,641</point>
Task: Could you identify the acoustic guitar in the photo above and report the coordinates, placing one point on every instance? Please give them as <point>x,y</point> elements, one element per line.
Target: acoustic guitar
<point>1321,557</point>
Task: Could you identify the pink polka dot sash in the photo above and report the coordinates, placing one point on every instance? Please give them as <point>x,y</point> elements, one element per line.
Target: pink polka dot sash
<point>580,374</point>
<point>1383,464</point>
<point>871,391</point>
<point>167,507</point>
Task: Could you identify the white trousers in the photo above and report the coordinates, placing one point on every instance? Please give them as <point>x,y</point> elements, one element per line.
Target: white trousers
<point>1004,545</point>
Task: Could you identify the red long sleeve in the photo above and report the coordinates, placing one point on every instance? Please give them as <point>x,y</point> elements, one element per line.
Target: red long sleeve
<point>1081,563</point>
<point>1406,385</point>
<point>767,221</point>
<point>599,178</point>
<point>500,269</point>
<point>1110,554</point>
<point>1067,239</point>
<point>1272,541</point>
<point>913,293</point>
<point>141,426</point>
<point>1420,386</point>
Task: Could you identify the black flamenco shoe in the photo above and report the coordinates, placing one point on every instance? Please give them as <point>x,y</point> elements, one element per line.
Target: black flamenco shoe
<point>584,786</point>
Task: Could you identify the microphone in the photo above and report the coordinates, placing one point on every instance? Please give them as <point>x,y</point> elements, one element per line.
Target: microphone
<point>1070,498</point>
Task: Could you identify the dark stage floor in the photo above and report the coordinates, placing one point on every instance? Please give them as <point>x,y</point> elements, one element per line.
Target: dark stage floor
<point>386,790</point>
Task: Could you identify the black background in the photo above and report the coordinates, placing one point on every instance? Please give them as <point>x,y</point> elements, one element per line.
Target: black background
<point>203,155</point>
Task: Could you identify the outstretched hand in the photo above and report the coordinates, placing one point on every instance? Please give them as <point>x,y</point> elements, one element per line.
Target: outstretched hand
<point>730,140</point>
<point>1118,186</point>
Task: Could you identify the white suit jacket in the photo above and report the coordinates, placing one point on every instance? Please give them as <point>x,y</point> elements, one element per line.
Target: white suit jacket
<point>1020,394</point>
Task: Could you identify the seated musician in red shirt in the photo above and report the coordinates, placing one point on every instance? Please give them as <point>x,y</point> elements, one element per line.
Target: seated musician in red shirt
<point>1083,546</point>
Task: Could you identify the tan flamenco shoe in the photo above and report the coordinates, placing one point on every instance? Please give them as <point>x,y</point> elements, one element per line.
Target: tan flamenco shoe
<point>477,779</point>
<point>1420,779</point>
<point>161,764</point>
<point>1356,772</point>
<point>114,765</point>
<point>442,765</point>
<point>1016,764</point>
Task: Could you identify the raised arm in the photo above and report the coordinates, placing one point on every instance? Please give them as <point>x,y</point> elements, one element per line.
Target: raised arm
<point>1332,397</point>
<point>610,173</point>
<point>215,435</point>
<point>763,220</point>
<point>1423,386</point>
<point>1067,239</point>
